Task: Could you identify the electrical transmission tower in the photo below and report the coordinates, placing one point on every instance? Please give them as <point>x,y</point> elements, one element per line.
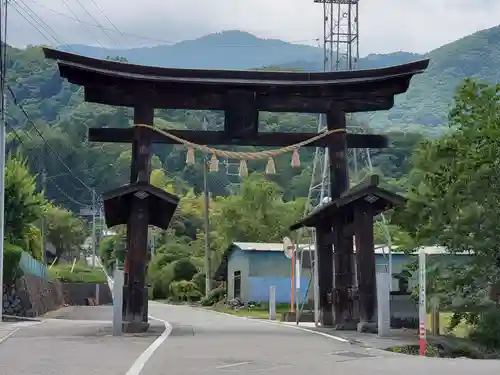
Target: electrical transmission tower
<point>341,52</point>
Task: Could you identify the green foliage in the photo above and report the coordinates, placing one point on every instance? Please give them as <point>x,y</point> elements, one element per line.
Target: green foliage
<point>200,282</point>
<point>79,274</point>
<point>214,296</point>
<point>11,258</point>
<point>487,330</point>
<point>23,205</point>
<point>184,291</point>
<point>452,202</point>
<point>64,230</point>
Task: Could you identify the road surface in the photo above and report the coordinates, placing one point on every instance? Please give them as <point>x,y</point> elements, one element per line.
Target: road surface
<point>202,342</point>
<point>209,343</point>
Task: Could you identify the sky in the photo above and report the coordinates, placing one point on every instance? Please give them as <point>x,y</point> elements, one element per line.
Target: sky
<point>385,25</point>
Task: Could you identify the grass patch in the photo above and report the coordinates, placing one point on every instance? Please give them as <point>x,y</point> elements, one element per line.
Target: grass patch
<point>462,330</point>
<point>258,312</point>
<point>80,274</point>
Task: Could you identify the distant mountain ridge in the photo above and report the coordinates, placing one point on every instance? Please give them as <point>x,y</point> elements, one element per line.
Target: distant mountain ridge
<point>233,50</point>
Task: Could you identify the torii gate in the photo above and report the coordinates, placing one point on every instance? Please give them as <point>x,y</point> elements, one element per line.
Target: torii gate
<point>241,95</point>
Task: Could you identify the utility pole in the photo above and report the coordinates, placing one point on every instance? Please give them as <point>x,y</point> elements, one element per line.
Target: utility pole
<point>2,183</point>
<point>206,195</point>
<point>42,224</point>
<point>93,229</point>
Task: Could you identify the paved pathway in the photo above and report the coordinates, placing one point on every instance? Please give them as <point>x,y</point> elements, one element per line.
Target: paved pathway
<point>201,342</point>
<point>204,342</point>
<point>69,347</point>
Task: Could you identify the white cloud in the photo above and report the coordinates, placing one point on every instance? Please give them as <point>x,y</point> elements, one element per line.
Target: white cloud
<point>385,25</point>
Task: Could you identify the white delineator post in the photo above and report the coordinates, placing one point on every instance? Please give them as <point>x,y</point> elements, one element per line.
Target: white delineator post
<point>272,302</point>
<point>118,280</point>
<point>422,309</point>
<point>383,279</point>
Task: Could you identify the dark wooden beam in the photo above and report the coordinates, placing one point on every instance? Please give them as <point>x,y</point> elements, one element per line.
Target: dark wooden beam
<point>241,116</point>
<point>115,135</point>
<point>216,101</point>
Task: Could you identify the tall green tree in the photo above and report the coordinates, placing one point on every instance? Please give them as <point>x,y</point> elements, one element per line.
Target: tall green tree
<point>455,195</point>
<point>23,205</point>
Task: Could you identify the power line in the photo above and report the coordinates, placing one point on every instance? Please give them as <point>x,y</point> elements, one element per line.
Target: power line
<point>107,18</point>
<point>37,19</point>
<point>83,24</point>
<point>96,21</point>
<point>54,152</point>
<point>152,39</point>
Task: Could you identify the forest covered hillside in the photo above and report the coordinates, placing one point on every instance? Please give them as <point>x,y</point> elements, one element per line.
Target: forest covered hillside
<point>58,110</point>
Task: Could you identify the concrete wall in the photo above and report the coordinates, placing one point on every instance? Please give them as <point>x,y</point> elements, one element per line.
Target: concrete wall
<point>238,261</point>
<point>77,294</point>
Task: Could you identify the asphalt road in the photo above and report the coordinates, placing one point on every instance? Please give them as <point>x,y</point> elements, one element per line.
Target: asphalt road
<point>201,342</point>
<point>205,342</point>
<point>69,347</point>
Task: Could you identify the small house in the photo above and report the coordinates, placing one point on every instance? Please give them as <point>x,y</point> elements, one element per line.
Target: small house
<point>250,269</point>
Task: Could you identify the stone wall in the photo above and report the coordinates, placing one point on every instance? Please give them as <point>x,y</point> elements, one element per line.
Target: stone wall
<point>32,296</point>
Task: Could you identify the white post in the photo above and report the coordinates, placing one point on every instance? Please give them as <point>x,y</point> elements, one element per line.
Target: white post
<point>2,190</point>
<point>316,287</point>
<point>272,302</point>
<point>383,303</point>
<point>297,289</point>
<point>117,302</point>
<point>422,309</point>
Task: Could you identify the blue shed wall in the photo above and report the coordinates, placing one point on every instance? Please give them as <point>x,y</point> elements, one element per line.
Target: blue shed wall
<point>259,288</point>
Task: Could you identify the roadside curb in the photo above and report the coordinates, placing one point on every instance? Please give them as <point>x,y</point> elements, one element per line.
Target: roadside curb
<point>14,318</point>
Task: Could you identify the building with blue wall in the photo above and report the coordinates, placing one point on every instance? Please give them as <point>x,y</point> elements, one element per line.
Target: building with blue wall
<point>250,269</point>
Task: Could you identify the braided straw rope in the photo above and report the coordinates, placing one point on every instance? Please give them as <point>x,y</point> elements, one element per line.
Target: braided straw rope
<point>242,155</point>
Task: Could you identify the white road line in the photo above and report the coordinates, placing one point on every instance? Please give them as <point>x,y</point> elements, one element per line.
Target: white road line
<point>232,365</point>
<point>341,339</point>
<point>6,337</point>
<point>139,363</point>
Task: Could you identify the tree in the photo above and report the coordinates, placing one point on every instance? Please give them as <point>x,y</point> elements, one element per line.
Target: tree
<point>23,205</point>
<point>64,230</point>
<point>455,195</point>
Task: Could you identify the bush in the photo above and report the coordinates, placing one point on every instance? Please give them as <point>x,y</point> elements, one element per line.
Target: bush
<point>80,274</point>
<point>11,270</point>
<point>487,330</point>
<point>199,280</point>
<point>214,296</point>
<point>184,291</point>
<point>161,274</point>
<point>183,269</point>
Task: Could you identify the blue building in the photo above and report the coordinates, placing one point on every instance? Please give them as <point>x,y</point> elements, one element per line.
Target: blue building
<point>250,269</point>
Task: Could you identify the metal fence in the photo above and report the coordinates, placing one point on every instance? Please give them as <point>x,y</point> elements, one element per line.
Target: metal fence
<point>30,265</point>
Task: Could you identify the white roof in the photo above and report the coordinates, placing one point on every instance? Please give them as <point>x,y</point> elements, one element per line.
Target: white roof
<point>379,249</point>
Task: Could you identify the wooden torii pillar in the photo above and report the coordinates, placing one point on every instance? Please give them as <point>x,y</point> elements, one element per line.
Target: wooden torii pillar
<point>138,205</point>
<point>339,220</point>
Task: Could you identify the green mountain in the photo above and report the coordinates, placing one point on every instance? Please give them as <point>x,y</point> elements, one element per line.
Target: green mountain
<point>58,111</point>
<point>427,102</point>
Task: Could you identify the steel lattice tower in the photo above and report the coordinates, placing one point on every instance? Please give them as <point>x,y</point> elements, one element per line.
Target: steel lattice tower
<point>341,52</point>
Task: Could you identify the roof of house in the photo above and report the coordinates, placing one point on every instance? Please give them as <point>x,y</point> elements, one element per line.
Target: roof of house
<point>379,249</point>
<point>278,247</point>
